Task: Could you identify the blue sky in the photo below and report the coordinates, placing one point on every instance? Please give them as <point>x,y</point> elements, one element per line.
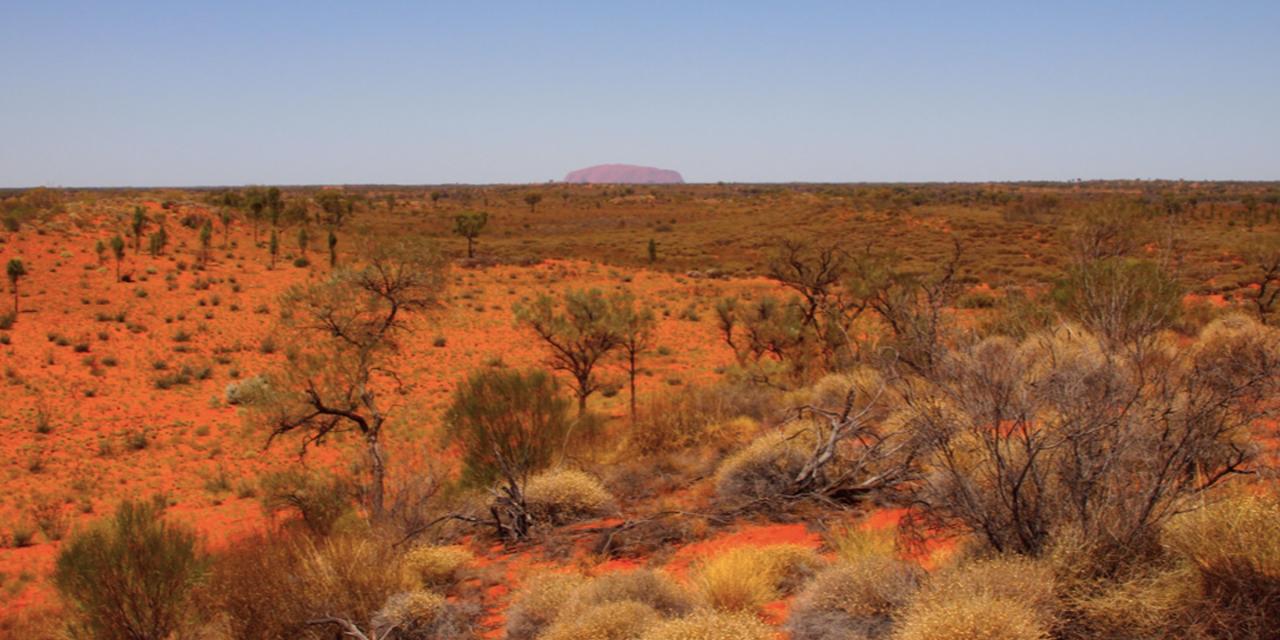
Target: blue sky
<point>196,93</point>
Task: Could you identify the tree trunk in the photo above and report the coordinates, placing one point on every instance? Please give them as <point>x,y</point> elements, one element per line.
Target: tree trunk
<point>378,472</point>
<point>631,373</point>
<point>471,251</point>
<point>15,299</point>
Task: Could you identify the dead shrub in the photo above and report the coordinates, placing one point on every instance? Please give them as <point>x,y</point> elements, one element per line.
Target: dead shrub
<point>698,416</point>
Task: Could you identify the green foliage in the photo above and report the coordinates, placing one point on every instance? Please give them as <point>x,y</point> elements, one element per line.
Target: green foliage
<point>509,424</point>
<point>469,224</point>
<point>319,499</point>
<point>130,578</point>
<point>580,331</point>
<point>1123,300</point>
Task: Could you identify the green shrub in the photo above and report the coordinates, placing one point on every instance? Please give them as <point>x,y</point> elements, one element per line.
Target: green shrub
<point>319,499</point>
<point>131,577</point>
<point>507,419</point>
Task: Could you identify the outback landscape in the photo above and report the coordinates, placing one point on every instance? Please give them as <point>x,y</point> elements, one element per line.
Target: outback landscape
<point>658,411</point>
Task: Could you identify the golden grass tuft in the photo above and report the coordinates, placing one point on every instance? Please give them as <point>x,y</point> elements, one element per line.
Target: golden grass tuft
<point>564,495</point>
<point>646,586</point>
<point>624,620</point>
<point>746,578</point>
<point>762,469</point>
<point>537,604</point>
<point>711,625</point>
<point>436,566</point>
<point>971,616</point>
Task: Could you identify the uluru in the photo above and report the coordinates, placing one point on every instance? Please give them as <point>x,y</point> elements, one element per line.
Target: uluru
<point>623,174</point>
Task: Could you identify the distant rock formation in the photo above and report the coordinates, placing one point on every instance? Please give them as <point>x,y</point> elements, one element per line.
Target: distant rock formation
<point>623,174</point>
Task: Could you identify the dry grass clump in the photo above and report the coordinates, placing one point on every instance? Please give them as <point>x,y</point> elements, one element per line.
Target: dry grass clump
<point>565,495</point>
<point>624,620</point>
<point>646,586</point>
<point>347,576</point>
<point>535,606</point>
<point>1233,548</point>
<point>436,566</point>
<point>854,600</point>
<point>1001,598</point>
<point>711,625</point>
<point>852,543</point>
<point>746,578</point>
<point>762,470</point>
<point>711,416</point>
<point>418,615</point>
<point>969,616</point>
<point>1014,578</point>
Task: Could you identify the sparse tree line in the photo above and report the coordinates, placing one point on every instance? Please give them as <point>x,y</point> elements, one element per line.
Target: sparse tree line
<point>1085,416</point>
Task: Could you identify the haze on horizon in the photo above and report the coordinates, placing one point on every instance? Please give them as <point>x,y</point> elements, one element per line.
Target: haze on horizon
<point>161,94</point>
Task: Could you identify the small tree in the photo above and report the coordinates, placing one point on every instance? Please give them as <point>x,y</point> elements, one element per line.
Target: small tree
<point>509,425</point>
<point>130,578</point>
<point>100,248</point>
<point>344,336</point>
<point>532,200</point>
<point>257,202</point>
<point>274,247</point>
<point>635,331</point>
<point>274,205</point>
<point>117,248</point>
<point>579,334</point>
<point>225,216</point>
<point>139,225</point>
<point>303,240</point>
<point>1263,259</point>
<point>653,251</point>
<point>469,224</point>
<point>157,241</point>
<point>15,270</point>
<point>206,239</point>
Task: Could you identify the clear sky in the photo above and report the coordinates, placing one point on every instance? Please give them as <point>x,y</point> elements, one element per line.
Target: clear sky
<point>203,93</point>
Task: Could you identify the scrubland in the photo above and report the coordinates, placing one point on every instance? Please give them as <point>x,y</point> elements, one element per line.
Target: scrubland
<point>814,412</point>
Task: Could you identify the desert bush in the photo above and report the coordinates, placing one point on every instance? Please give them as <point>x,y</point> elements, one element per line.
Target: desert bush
<point>319,499</point>
<point>652,588</point>
<point>507,421</point>
<point>130,577</point>
<point>699,415</point>
<point>623,620</point>
<point>1028,582</point>
<point>1087,438</point>
<point>1233,548</point>
<point>419,615</point>
<point>969,617</point>
<point>711,625</point>
<point>763,470</point>
<point>536,605</point>
<point>346,576</point>
<point>746,578</point>
<point>1124,301</point>
<point>562,496</point>
<point>436,566</point>
<point>855,542</point>
<point>854,600</point>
